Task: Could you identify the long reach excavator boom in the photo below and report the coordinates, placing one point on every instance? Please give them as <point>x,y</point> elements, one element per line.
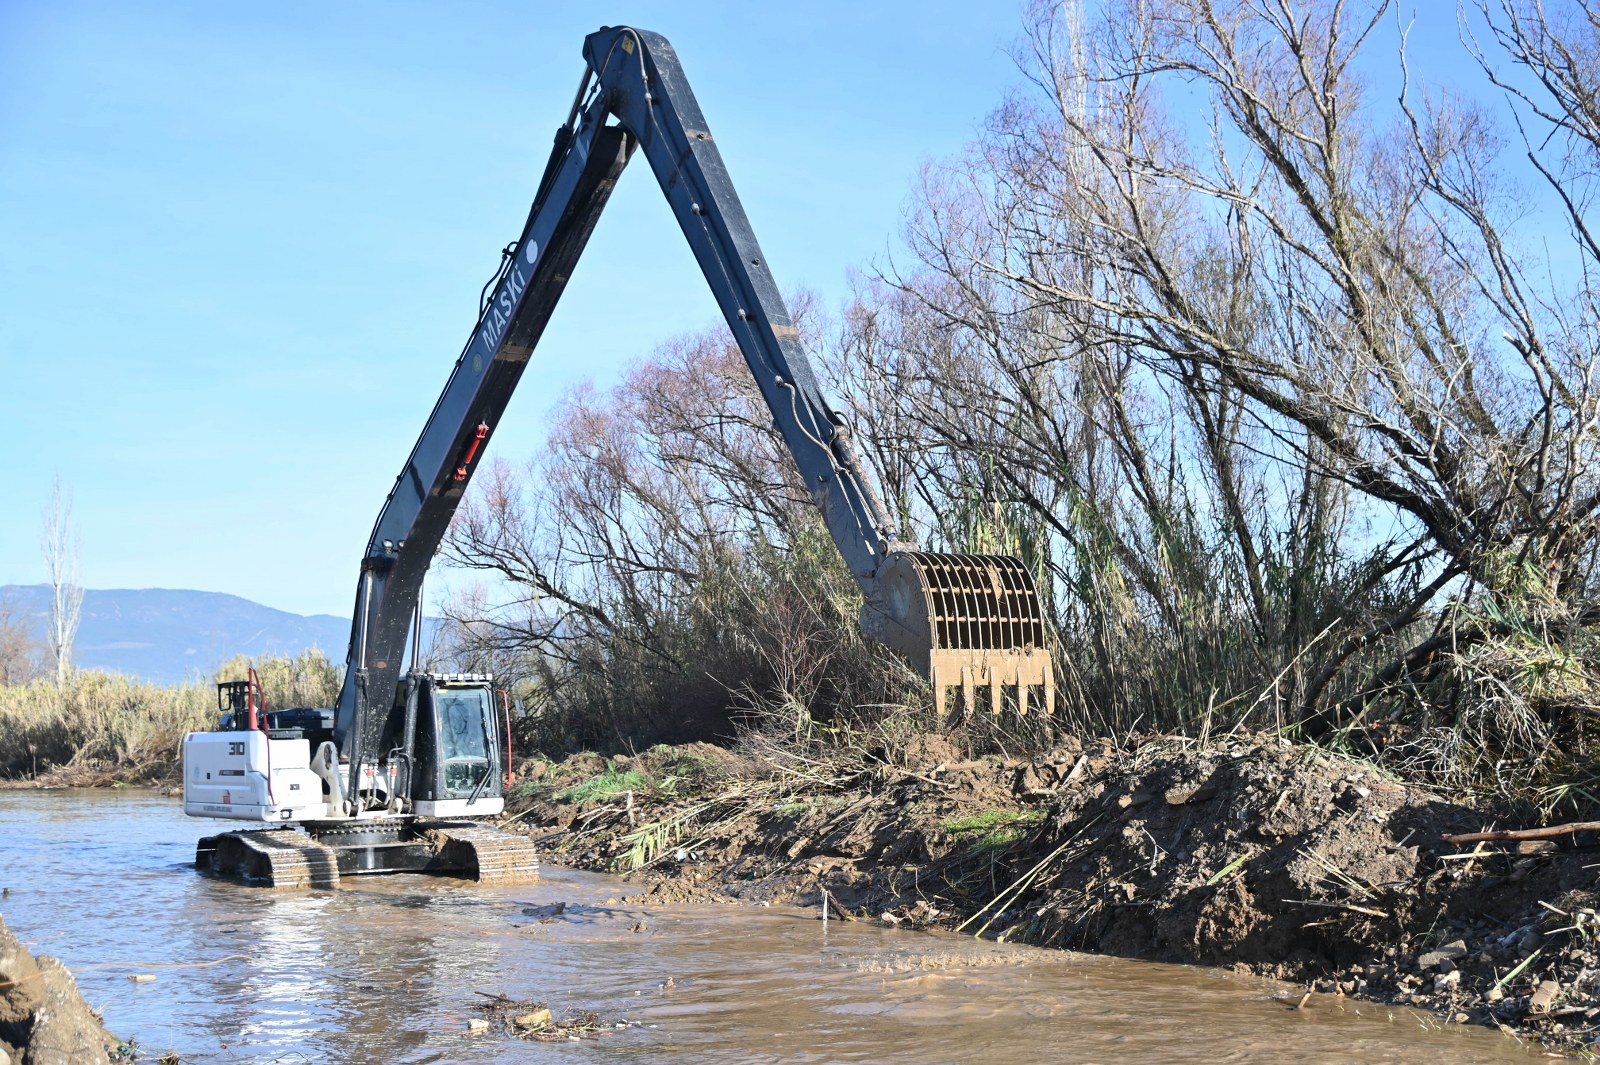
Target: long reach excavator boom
<point>967,621</point>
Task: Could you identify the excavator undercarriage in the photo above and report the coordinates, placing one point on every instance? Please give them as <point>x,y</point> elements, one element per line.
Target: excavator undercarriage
<point>319,855</point>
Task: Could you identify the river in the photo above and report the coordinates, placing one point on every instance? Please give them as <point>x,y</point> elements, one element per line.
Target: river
<point>388,969</point>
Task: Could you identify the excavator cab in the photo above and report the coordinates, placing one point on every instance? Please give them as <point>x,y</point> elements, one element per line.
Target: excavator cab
<point>457,750</point>
<point>442,765</point>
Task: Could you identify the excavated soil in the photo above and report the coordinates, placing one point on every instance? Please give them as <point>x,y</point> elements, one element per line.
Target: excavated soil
<point>43,1018</point>
<point>1254,854</point>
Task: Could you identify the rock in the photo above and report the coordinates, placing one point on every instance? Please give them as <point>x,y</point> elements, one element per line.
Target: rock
<point>1187,793</point>
<point>539,1018</point>
<point>1544,996</point>
<point>5,1058</point>
<point>477,1025</point>
<point>1433,959</point>
<point>1446,981</point>
<point>39,997</point>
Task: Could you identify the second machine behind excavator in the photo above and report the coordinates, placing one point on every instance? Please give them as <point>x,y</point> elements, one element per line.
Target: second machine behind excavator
<point>359,782</point>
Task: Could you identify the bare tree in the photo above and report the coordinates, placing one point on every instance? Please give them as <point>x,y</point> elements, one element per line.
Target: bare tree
<point>1258,369</point>
<point>60,546</point>
<point>19,651</point>
<point>661,563</point>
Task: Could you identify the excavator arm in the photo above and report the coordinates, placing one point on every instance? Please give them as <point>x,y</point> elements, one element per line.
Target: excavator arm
<point>962,620</point>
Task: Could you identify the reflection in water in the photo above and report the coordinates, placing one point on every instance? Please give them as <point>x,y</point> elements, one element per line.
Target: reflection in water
<point>386,969</point>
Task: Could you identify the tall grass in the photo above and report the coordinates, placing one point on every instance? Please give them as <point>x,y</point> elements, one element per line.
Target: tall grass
<point>126,729</point>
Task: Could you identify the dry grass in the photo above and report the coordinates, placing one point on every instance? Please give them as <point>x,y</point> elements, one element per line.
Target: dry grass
<point>131,729</point>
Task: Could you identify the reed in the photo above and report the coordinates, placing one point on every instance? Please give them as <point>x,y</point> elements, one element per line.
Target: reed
<point>109,726</point>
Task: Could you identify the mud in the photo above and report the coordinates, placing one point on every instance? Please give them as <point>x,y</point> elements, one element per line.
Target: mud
<point>1254,854</point>
<point>43,1018</point>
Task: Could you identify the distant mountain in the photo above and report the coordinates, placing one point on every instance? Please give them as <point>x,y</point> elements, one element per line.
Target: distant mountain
<point>167,635</point>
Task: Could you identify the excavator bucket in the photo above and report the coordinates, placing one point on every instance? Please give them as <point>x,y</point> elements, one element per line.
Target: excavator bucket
<point>972,622</point>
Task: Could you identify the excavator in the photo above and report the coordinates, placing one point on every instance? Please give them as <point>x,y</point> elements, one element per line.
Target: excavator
<point>398,776</point>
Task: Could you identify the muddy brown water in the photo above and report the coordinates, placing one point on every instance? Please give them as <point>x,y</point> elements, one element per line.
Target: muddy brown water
<point>386,970</point>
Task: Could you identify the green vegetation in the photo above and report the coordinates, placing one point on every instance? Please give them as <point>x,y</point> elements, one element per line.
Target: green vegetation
<point>525,789</point>
<point>610,783</point>
<point>993,829</point>
<point>100,727</point>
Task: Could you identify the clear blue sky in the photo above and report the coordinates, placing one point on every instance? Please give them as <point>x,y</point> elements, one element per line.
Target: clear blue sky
<point>241,244</point>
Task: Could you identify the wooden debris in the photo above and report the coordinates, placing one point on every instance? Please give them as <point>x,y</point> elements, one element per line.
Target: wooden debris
<point>1546,832</point>
<point>1350,906</point>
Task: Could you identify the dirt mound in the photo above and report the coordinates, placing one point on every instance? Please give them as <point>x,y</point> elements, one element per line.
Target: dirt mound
<point>43,1018</point>
<point>1292,862</point>
<point>1255,854</point>
<point>1260,854</point>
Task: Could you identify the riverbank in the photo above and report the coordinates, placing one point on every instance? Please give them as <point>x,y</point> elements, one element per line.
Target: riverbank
<point>1251,853</point>
<point>96,729</point>
<point>44,1020</point>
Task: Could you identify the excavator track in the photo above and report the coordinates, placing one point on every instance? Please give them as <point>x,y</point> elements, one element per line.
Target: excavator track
<point>491,855</point>
<point>320,856</point>
<point>275,858</point>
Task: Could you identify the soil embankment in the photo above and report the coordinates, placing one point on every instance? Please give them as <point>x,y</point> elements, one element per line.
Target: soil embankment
<point>43,1018</point>
<point>1252,853</point>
